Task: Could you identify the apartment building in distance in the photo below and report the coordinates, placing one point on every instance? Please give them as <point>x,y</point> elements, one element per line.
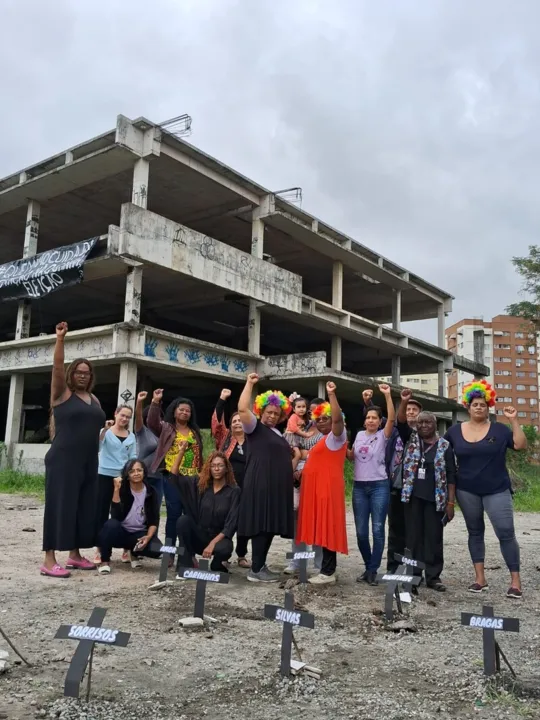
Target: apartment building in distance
<point>508,346</point>
<point>428,383</point>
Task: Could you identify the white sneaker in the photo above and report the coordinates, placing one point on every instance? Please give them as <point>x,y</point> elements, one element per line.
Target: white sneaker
<point>104,569</point>
<point>321,579</point>
<point>291,569</point>
<point>136,562</point>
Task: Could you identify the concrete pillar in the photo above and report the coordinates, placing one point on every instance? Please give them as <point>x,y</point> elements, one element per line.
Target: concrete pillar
<point>127,384</point>
<point>337,284</point>
<point>22,330</point>
<point>141,172</point>
<point>132,311</point>
<point>396,310</point>
<point>442,380</point>
<point>441,337</point>
<point>454,417</point>
<point>14,411</point>
<point>321,389</point>
<point>396,369</point>
<point>335,360</point>
<point>254,322</point>
<point>254,328</point>
<point>441,426</point>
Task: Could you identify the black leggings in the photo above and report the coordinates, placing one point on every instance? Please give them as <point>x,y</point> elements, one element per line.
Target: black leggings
<point>260,545</point>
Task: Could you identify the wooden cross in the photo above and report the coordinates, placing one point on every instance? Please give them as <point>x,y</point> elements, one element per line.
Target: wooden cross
<point>301,556</point>
<point>88,636</point>
<point>488,624</point>
<point>202,575</point>
<point>290,618</point>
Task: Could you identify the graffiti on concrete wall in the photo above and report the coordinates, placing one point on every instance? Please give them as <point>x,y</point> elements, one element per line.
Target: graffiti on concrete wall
<point>41,354</point>
<point>193,357</point>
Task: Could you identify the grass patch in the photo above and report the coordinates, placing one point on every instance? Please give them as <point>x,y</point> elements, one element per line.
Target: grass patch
<point>15,482</point>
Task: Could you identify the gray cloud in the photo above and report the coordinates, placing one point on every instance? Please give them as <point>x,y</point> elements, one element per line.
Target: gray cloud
<point>411,126</point>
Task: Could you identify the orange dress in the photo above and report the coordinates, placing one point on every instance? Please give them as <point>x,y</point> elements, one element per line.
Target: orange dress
<point>321,513</point>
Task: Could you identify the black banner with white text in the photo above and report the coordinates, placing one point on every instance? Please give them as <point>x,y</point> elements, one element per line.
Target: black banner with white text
<point>37,276</point>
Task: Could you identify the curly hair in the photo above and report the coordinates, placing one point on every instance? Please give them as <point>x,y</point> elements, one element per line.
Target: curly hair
<point>205,477</point>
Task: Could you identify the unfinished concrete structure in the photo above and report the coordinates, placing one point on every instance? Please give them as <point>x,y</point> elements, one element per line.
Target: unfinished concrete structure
<point>199,276</point>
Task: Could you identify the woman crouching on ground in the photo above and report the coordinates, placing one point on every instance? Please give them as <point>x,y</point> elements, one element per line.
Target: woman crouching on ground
<point>231,442</point>
<point>211,512</point>
<point>483,483</point>
<point>134,518</point>
<point>321,514</point>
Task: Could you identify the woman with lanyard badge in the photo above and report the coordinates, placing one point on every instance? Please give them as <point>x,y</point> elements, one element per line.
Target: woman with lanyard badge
<point>429,476</point>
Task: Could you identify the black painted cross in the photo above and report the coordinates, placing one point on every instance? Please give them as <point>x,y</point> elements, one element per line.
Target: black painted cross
<point>392,581</point>
<point>88,636</point>
<point>202,575</point>
<point>301,555</point>
<point>408,564</point>
<point>489,623</point>
<point>168,550</point>
<point>290,618</point>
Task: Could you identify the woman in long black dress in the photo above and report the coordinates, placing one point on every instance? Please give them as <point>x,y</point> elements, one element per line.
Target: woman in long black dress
<point>266,504</point>
<point>71,464</point>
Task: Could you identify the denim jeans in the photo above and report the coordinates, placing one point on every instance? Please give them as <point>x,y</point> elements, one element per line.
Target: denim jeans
<point>370,499</point>
<point>173,503</point>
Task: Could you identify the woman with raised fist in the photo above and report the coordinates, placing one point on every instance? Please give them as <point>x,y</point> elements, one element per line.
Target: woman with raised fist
<point>266,504</point>
<point>483,483</point>
<point>321,513</point>
<point>71,464</point>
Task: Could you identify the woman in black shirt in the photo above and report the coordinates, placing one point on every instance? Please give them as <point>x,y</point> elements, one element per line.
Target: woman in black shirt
<point>429,477</point>
<point>211,511</point>
<point>231,442</point>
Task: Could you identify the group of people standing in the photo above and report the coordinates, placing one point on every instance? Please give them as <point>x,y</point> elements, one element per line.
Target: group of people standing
<point>105,484</point>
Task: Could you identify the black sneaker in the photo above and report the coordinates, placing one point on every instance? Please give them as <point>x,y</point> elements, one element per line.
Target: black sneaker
<point>363,577</point>
<point>372,579</point>
<point>514,594</point>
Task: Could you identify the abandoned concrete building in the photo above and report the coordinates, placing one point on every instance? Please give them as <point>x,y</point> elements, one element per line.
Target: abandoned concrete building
<point>194,276</point>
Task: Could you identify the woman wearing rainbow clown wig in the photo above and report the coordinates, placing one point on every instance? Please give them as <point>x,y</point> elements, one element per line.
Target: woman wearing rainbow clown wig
<point>266,504</point>
<point>321,514</point>
<point>483,483</point>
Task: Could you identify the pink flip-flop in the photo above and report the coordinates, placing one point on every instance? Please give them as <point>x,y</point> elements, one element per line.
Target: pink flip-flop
<point>57,571</point>
<point>82,564</point>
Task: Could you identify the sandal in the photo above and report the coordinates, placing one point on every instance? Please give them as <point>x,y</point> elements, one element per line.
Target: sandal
<point>477,588</point>
<point>243,562</point>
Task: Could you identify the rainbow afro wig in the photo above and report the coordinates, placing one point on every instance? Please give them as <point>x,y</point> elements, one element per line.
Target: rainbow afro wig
<point>323,410</point>
<point>478,389</point>
<point>271,397</point>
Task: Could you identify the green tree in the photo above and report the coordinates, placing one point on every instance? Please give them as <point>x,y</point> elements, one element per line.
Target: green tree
<point>523,465</point>
<point>529,269</point>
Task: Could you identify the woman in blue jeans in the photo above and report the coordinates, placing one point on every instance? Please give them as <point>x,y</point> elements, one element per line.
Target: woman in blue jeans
<point>483,483</point>
<point>371,492</point>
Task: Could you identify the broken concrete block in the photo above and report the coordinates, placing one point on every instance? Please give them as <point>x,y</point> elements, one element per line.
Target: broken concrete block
<point>191,622</point>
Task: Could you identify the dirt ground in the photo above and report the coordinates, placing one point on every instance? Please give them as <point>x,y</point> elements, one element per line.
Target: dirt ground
<point>230,669</point>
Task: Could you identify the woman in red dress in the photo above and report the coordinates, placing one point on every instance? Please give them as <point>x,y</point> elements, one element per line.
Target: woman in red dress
<point>321,514</point>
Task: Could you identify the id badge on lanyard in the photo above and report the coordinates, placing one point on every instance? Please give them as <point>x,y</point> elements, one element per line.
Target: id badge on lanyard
<point>422,471</point>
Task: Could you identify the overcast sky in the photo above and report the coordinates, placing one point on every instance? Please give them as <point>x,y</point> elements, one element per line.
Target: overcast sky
<point>413,126</point>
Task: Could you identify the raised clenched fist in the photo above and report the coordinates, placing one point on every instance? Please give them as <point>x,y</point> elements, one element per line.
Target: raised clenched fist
<point>157,395</point>
<point>385,389</point>
<point>253,378</point>
<point>406,394</point>
<point>225,394</point>
<point>61,329</point>
<point>330,388</point>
